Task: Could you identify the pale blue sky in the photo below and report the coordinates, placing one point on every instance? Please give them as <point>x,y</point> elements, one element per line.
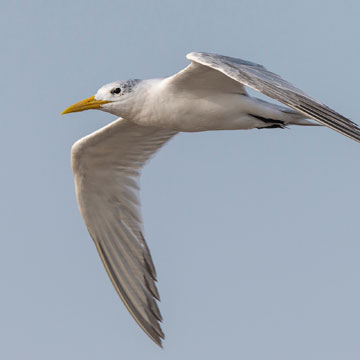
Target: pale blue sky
<point>254,234</point>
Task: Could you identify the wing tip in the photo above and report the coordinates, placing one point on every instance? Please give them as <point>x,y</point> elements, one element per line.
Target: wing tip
<point>152,330</point>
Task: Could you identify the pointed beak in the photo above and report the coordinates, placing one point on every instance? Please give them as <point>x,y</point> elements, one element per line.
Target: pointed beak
<point>89,103</point>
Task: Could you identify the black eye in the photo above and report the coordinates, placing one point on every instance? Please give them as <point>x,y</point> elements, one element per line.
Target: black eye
<point>116,91</point>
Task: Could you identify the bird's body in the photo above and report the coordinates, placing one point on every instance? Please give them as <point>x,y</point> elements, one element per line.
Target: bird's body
<point>193,111</point>
<point>208,95</point>
<point>167,103</point>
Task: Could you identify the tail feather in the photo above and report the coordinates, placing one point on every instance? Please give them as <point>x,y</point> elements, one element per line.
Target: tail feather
<point>300,120</point>
<point>274,115</point>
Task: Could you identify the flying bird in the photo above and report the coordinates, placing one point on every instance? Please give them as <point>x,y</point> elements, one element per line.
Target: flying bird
<point>209,94</point>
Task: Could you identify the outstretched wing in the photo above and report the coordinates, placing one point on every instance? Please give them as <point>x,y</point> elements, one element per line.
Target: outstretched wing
<point>258,78</point>
<point>107,166</point>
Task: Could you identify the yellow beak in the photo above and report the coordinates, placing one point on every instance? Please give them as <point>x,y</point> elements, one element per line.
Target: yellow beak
<point>89,103</point>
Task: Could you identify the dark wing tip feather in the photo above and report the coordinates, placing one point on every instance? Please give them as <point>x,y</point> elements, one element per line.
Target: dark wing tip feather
<point>152,330</point>
<point>147,258</point>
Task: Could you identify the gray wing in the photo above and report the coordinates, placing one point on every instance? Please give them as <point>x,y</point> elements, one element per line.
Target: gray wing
<point>258,78</point>
<point>107,166</point>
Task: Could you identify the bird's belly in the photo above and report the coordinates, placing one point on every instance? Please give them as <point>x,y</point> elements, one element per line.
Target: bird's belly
<point>190,114</point>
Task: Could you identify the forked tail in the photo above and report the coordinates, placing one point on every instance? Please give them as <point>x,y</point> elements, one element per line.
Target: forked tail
<point>277,116</point>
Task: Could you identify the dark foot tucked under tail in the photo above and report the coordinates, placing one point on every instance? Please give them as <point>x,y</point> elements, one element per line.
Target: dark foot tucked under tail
<point>270,123</point>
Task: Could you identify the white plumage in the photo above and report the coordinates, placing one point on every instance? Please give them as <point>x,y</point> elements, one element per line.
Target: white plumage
<point>207,95</point>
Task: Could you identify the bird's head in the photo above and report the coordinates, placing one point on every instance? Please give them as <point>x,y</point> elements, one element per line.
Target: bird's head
<point>113,98</point>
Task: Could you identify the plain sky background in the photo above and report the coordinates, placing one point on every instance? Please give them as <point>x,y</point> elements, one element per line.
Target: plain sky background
<point>254,234</point>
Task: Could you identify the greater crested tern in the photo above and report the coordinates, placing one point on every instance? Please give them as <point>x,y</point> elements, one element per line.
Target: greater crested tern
<point>209,94</point>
